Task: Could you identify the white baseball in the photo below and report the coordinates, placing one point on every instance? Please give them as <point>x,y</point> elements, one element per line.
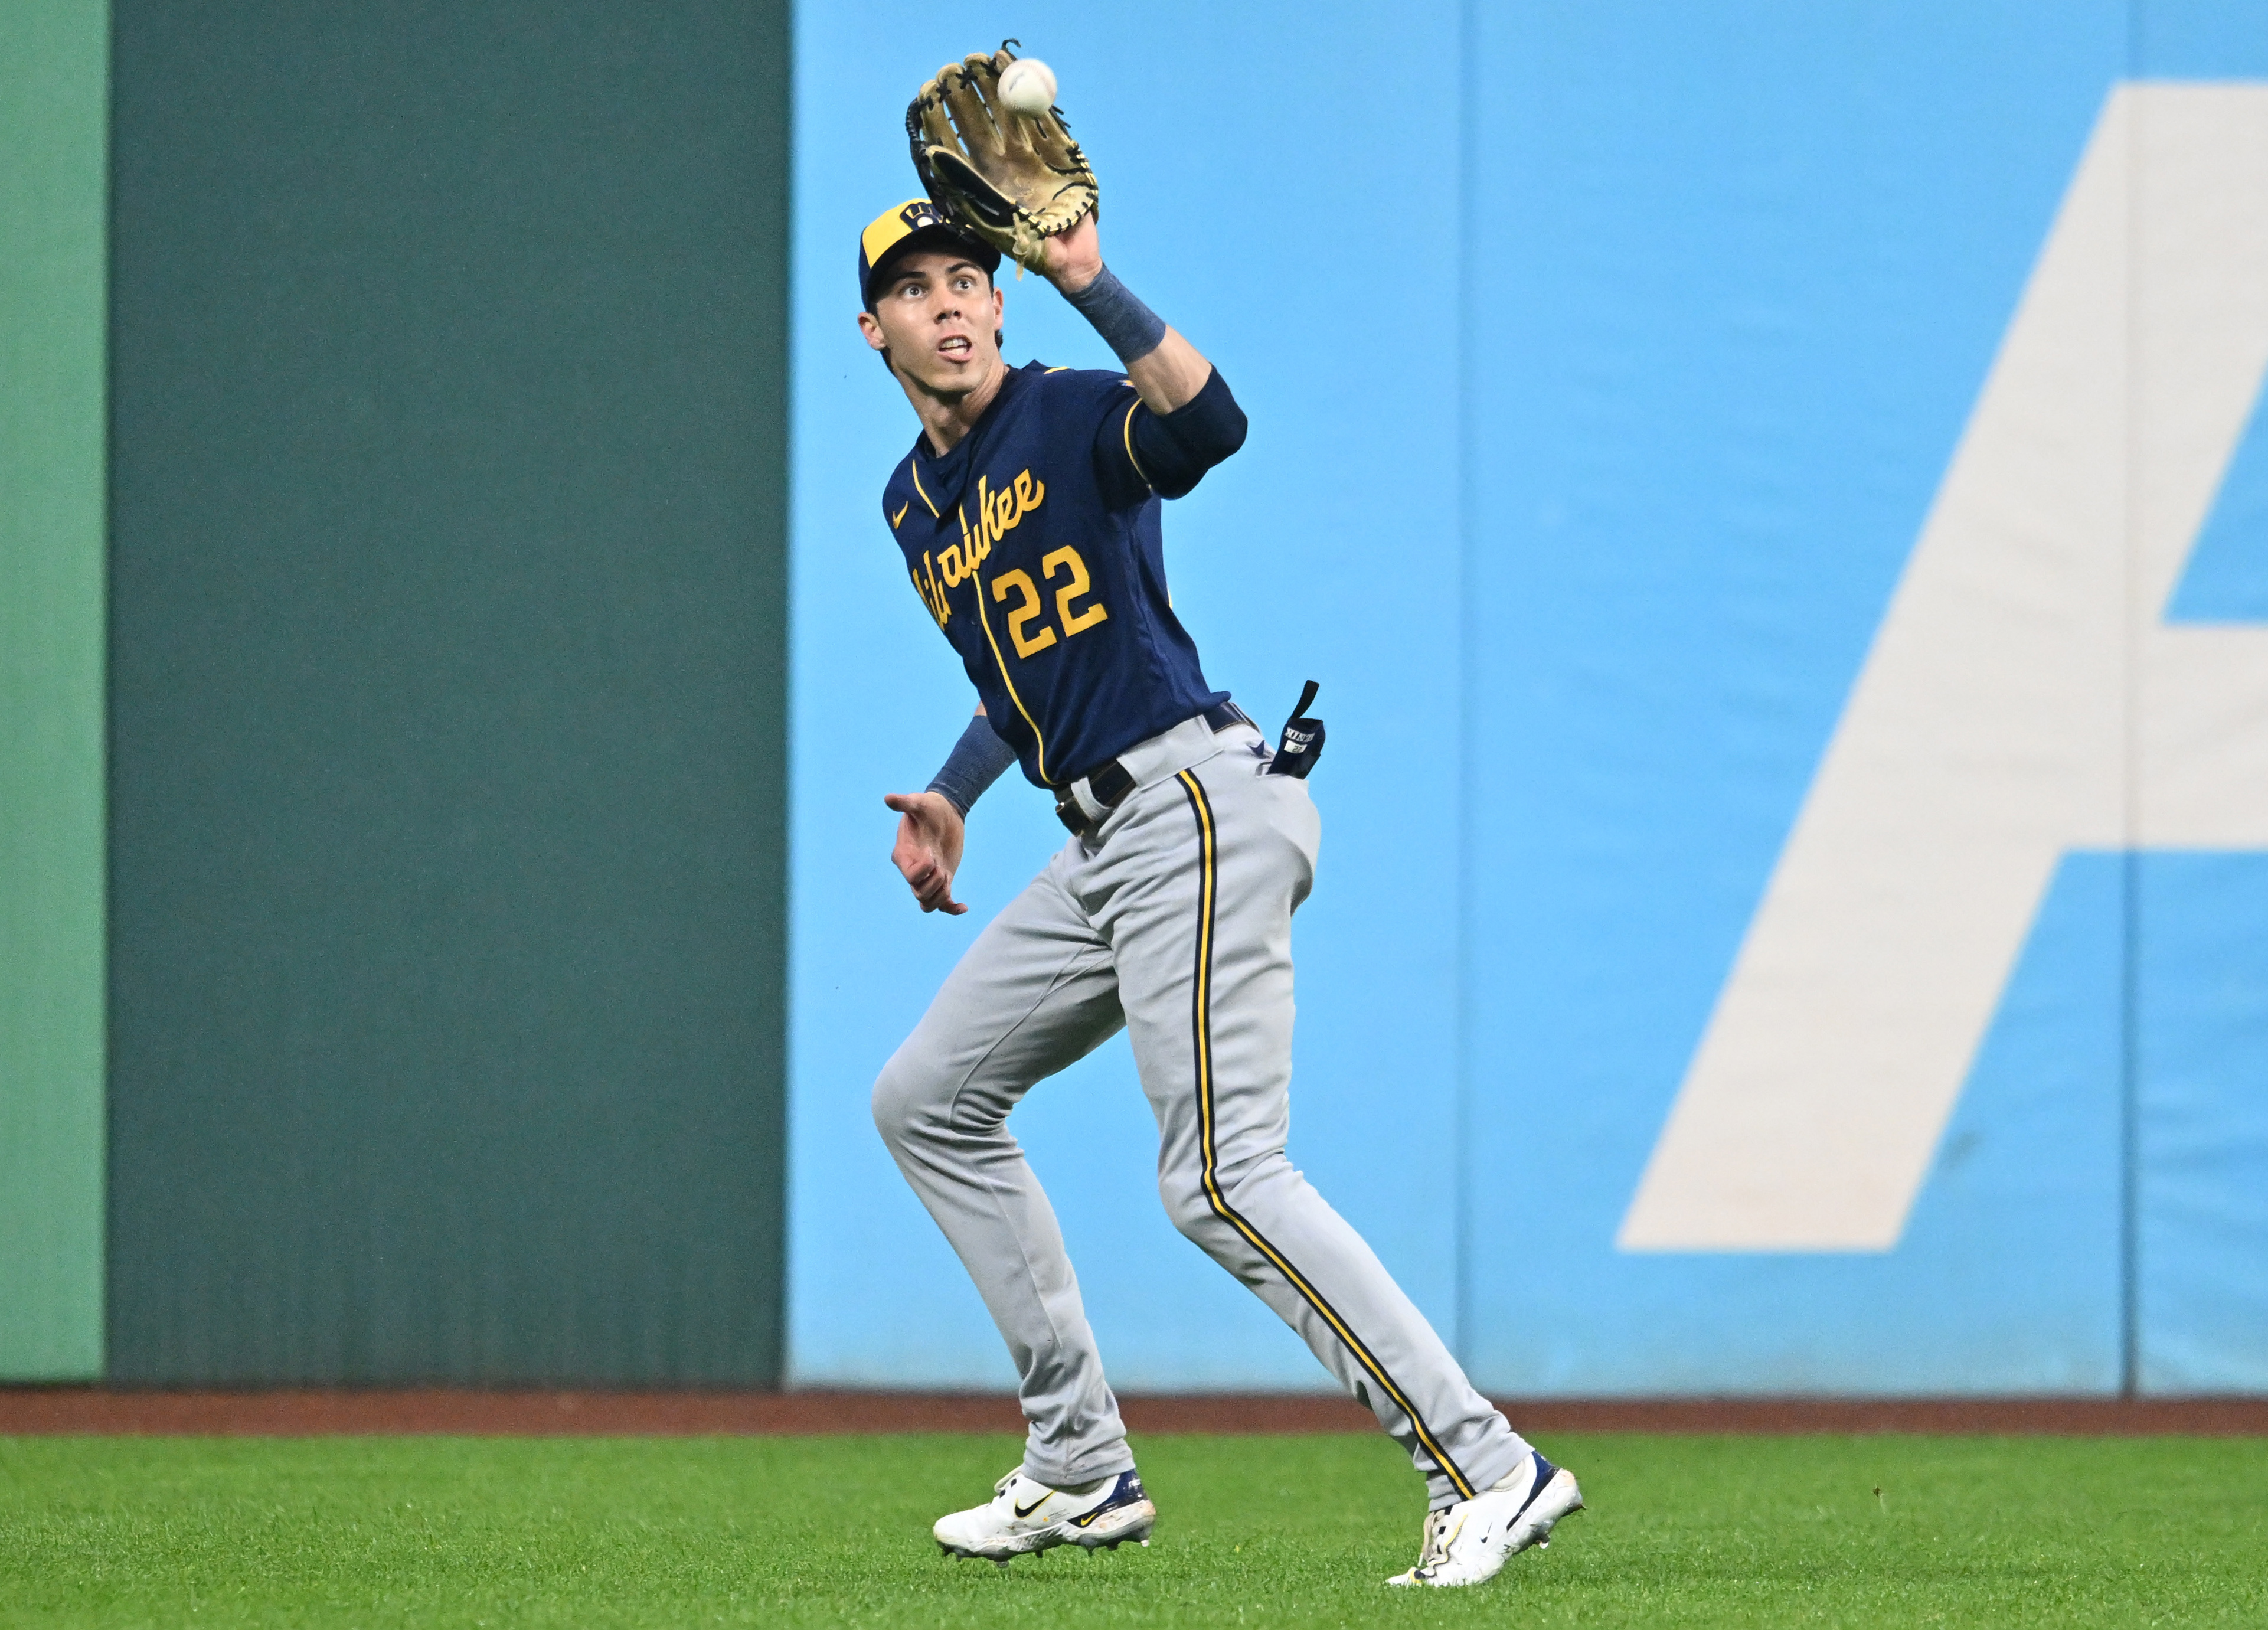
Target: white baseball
<point>1028,87</point>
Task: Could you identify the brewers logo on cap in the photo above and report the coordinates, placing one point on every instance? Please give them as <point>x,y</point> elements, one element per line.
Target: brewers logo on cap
<point>893,230</point>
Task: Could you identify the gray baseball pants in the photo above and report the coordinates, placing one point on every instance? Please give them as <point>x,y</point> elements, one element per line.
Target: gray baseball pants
<point>1174,919</point>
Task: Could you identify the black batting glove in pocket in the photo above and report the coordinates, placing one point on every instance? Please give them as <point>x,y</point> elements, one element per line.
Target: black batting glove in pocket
<point>1302,742</point>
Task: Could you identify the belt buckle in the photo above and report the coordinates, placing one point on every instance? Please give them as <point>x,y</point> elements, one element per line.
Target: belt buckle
<point>1072,810</point>
<point>1073,813</point>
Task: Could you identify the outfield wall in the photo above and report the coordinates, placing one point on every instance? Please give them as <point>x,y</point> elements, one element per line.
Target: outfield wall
<point>1777,498</point>
<point>1774,497</point>
<point>447,459</point>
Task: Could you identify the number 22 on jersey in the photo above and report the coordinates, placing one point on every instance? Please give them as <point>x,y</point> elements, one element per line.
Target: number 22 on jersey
<point>1075,619</point>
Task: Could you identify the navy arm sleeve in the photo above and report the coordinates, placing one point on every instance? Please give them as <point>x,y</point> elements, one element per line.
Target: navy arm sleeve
<point>1137,452</point>
<point>974,763</point>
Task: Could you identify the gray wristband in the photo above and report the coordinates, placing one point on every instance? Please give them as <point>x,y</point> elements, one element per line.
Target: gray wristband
<point>1127,326</point>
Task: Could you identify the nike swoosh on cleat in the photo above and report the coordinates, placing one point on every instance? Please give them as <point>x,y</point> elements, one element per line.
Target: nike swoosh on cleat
<point>1025,1511</point>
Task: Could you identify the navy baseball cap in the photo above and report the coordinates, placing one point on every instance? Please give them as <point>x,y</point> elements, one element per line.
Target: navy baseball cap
<point>917,224</point>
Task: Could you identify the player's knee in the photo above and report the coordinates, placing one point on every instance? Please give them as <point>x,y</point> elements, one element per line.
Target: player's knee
<point>1188,1207</point>
<point>1198,1208</point>
<point>905,1099</point>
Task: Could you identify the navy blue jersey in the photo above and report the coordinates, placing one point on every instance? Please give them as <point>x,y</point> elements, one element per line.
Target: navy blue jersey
<point>1035,545</point>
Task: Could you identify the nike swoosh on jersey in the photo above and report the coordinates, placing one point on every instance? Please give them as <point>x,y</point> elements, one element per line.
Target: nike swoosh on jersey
<point>900,515</point>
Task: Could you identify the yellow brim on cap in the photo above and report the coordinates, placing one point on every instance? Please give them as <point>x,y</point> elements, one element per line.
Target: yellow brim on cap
<point>893,227</point>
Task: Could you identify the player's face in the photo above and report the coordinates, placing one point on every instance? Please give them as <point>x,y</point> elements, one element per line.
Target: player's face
<point>937,317</point>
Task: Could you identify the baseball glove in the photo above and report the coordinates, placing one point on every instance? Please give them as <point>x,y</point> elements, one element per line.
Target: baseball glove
<point>1012,178</point>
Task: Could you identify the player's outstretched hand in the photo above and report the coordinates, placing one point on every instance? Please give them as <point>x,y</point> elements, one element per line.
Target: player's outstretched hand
<point>928,850</point>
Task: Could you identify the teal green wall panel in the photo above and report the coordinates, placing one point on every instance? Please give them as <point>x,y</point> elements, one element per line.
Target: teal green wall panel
<point>54,86</point>
<point>447,692</point>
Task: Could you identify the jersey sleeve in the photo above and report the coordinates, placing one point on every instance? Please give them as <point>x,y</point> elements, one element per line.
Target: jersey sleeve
<point>1139,451</point>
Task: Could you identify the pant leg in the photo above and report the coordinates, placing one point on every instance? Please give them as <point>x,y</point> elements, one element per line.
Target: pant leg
<point>1034,993</point>
<point>1198,904</point>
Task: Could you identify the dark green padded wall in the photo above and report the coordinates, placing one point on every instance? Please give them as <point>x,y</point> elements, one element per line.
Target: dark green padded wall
<point>448,667</point>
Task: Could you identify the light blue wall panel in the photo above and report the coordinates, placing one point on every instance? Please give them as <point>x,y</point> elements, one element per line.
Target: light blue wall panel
<point>1328,548</point>
<point>2202,1245</point>
<point>2201,941</point>
<point>1585,509</point>
<point>2200,39</point>
<point>2227,578</point>
<point>1758,261</point>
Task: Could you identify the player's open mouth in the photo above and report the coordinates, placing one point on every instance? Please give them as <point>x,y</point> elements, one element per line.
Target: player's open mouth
<point>957,346</point>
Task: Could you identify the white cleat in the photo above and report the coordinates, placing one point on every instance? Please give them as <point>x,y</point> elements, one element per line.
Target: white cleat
<point>1026,1516</point>
<point>1469,1541</point>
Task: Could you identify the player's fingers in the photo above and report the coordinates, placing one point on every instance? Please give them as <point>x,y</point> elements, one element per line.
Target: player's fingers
<point>904,803</point>
<point>936,889</point>
<point>955,909</point>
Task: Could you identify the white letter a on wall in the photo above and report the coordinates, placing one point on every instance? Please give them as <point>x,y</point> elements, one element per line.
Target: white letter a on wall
<point>2023,697</point>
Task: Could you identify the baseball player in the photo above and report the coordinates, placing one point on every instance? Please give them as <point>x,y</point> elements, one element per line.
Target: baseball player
<point>1028,511</point>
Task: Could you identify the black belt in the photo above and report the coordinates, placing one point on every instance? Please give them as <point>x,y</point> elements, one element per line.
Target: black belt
<point>1108,783</point>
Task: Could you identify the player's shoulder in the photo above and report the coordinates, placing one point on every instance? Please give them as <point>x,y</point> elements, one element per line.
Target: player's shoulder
<point>900,490</point>
<point>1098,387</point>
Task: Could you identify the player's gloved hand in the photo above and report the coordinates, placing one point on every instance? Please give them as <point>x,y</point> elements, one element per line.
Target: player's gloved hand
<point>1013,179</point>
<point>928,850</point>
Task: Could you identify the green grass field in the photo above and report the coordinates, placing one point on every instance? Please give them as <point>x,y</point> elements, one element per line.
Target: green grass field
<point>1263,1531</point>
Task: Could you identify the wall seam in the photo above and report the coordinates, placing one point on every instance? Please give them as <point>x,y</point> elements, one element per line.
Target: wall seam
<point>2130,867</point>
<point>1467,117</point>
